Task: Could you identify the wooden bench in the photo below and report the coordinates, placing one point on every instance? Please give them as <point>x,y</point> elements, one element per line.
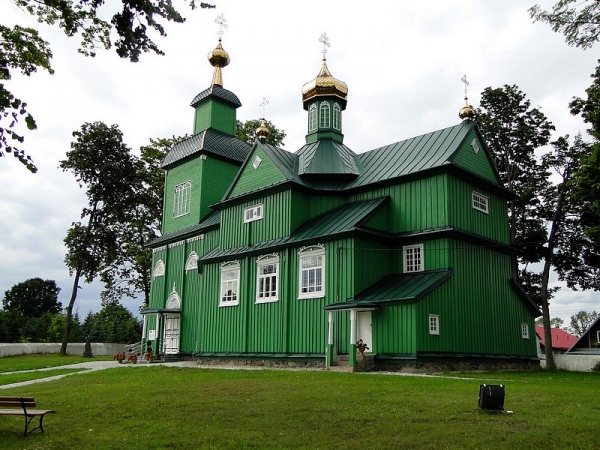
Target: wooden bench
<point>19,406</point>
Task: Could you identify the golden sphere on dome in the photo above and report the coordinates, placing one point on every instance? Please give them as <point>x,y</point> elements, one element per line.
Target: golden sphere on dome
<point>218,57</point>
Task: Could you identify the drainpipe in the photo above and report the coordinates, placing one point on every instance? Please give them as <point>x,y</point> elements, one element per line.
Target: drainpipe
<point>329,348</point>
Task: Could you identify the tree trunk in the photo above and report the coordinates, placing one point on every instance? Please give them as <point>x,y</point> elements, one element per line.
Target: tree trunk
<point>69,319</point>
<point>556,220</point>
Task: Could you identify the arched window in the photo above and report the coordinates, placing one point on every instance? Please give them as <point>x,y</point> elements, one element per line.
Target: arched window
<point>230,282</point>
<point>267,282</point>
<point>337,117</point>
<point>159,269</point>
<point>192,262</point>
<point>324,115</point>
<point>312,272</point>
<point>312,118</point>
<point>174,301</point>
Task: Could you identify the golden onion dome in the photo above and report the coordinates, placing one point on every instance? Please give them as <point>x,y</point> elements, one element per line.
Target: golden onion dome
<point>218,58</point>
<point>466,112</point>
<point>262,132</point>
<point>324,84</point>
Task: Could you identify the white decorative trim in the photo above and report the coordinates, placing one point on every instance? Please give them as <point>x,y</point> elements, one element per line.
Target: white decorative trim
<point>269,256</point>
<point>195,238</point>
<point>159,269</point>
<point>256,162</point>
<point>313,275</point>
<point>174,301</point>
<point>192,262</point>
<point>306,247</point>
<point>176,244</point>
<point>230,263</point>
<point>159,249</point>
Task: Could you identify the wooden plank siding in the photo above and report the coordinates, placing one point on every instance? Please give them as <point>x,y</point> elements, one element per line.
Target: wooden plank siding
<point>217,115</point>
<point>250,178</point>
<point>476,162</point>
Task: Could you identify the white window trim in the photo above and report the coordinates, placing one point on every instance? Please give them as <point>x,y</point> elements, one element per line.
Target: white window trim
<point>337,117</point>
<point>257,213</point>
<point>264,261</point>
<point>228,268</point>
<point>181,199</point>
<point>480,202</point>
<point>324,115</point>
<point>434,324</point>
<point>406,250</point>
<point>310,252</point>
<point>256,162</point>
<point>312,118</point>
<point>525,331</point>
<point>159,269</point>
<point>192,262</point>
<point>475,146</point>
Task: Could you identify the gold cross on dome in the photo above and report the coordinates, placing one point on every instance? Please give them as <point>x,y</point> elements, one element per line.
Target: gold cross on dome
<point>325,41</point>
<point>222,22</point>
<point>464,80</point>
<point>263,105</point>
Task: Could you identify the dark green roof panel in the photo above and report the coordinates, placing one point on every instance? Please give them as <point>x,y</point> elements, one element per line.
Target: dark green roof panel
<point>219,93</point>
<point>211,142</point>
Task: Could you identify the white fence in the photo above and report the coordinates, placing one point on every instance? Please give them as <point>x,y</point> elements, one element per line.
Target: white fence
<point>572,362</point>
<point>98,349</point>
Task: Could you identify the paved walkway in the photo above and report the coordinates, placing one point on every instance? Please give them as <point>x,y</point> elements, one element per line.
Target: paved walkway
<point>87,367</point>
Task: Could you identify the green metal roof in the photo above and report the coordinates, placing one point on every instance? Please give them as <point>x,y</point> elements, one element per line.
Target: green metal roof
<point>217,92</point>
<point>208,141</point>
<point>407,287</point>
<point>326,157</point>
<point>411,156</point>
<point>212,219</point>
<point>343,219</point>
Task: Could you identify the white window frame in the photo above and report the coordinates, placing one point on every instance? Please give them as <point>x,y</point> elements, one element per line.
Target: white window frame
<point>337,117</point>
<point>263,280</point>
<point>309,277</point>
<point>413,258</point>
<point>475,146</point>
<point>159,269</point>
<point>256,162</point>
<point>312,118</point>
<point>324,115</point>
<point>253,213</point>
<point>434,324</point>
<point>181,199</point>
<point>230,284</point>
<point>480,202</point>
<point>525,331</point>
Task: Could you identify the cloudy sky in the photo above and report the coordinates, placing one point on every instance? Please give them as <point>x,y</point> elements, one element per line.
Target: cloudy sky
<point>402,61</point>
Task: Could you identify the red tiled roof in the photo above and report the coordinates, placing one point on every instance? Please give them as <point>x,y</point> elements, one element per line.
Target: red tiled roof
<point>561,340</point>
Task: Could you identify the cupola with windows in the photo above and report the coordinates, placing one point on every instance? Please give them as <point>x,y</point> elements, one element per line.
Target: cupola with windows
<point>324,153</point>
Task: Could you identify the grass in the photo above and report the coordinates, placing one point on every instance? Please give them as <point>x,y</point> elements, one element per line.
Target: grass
<point>42,361</point>
<point>20,377</point>
<point>187,408</point>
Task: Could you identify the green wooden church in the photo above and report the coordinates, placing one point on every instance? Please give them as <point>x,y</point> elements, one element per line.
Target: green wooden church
<point>271,255</point>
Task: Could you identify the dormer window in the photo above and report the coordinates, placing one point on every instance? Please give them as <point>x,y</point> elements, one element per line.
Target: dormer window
<point>325,116</point>
<point>312,118</point>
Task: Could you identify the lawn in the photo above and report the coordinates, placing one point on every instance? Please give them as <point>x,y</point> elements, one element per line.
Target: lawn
<point>42,361</point>
<point>176,408</point>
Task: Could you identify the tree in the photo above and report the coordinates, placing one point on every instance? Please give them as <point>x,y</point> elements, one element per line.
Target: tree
<point>582,321</point>
<point>555,322</point>
<point>246,131</point>
<point>587,178</point>
<point>115,323</point>
<point>578,20</point>
<point>103,164</point>
<point>513,132</point>
<point>33,298</point>
<point>129,274</point>
<point>23,49</point>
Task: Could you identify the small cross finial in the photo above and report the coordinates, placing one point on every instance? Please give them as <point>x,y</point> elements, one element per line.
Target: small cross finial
<point>263,105</point>
<point>325,41</point>
<point>464,80</point>
<point>222,25</point>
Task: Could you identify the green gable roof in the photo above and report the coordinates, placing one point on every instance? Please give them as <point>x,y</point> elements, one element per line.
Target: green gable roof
<point>218,92</point>
<point>343,219</point>
<point>211,142</point>
<point>402,287</point>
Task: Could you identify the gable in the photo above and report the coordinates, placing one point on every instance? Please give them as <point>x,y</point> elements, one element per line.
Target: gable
<point>252,178</point>
<point>473,156</point>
